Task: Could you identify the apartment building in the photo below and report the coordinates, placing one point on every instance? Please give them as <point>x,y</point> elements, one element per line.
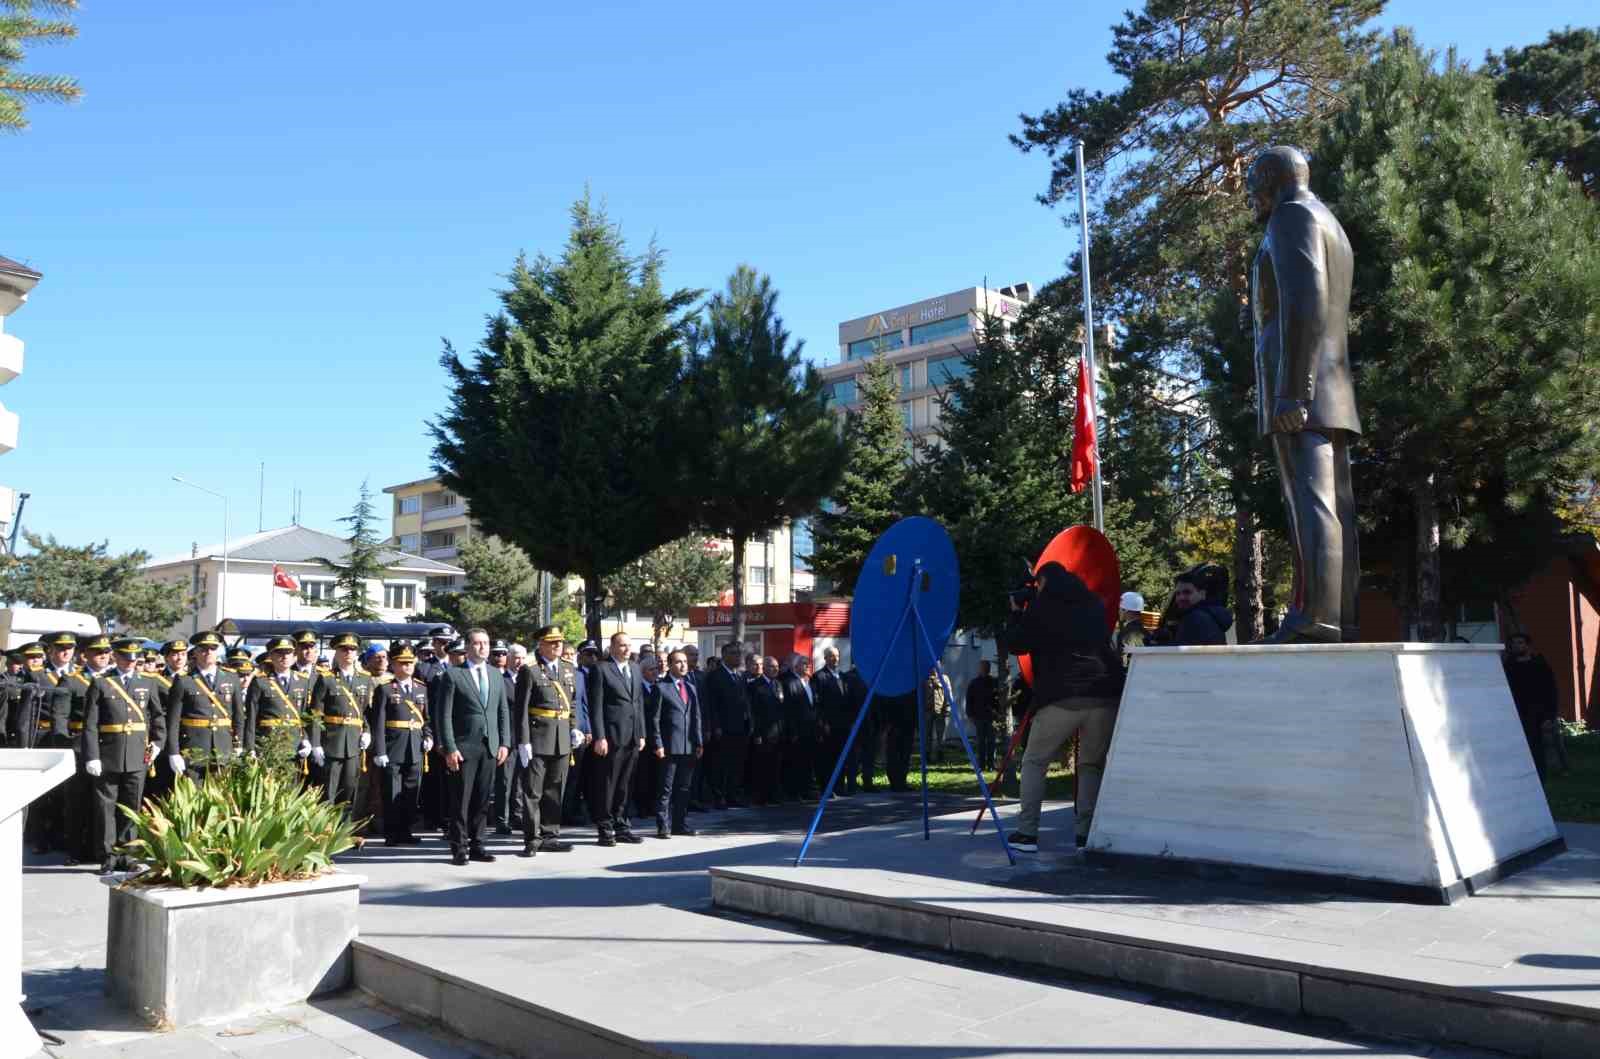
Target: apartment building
<point>431,521</point>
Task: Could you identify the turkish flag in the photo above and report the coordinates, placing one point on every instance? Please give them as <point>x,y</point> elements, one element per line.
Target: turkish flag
<point>283,580</point>
<point>1085,449</point>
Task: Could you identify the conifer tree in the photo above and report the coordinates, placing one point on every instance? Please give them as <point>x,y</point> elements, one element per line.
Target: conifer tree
<point>20,26</point>
<point>363,563</point>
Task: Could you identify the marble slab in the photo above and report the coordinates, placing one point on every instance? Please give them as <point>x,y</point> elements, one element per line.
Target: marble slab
<point>1395,764</point>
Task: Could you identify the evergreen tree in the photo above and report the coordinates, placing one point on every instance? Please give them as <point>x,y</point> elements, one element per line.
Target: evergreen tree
<point>501,592</point>
<point>767,448</point>
<point>90,580</point>
<point>669,580</point>
<point>553,429</point>
<point>874,489</point>
<point>20,26</point>
<point>363,564</point>
<point>1476,313</point>
<point>1552,91</point>
<point>1207,84</point>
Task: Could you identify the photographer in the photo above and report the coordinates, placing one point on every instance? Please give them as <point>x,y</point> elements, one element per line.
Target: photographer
<point>1077,681</point>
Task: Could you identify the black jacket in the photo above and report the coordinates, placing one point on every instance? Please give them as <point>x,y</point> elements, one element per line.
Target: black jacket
<point>799,708</point>
<point>833,702</point>
<point>674,725</point>
<point>616,707</point>
<point>1070,647</point>
<point>726,701</point>
<point>1204,623</point>
<point>767,710</point>
<point>1533,688</point>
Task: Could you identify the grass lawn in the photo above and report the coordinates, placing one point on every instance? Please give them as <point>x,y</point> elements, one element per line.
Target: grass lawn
<point>1574,797</point>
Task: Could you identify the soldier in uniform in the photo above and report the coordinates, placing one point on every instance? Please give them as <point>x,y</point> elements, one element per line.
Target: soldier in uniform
<point>305,654</point>
<point>276,702</point>
<point>547,688</point>
<point>205,712</point>
<point>339,702</point>
<point>399,718</point>
<point>123,731</point>
<point>51,677</point>
<point>94,658</point>
<point>169,666</point>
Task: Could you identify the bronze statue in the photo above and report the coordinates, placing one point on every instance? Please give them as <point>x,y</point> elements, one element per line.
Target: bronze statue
<point>1300,297</point>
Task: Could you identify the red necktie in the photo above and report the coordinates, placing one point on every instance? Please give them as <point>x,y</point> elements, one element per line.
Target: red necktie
<point>681,693</point>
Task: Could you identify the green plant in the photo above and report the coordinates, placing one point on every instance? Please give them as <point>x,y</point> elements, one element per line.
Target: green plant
<point>249,824</point>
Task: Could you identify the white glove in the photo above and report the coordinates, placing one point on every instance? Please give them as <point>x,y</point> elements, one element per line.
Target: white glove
<point>427,744</point>
<point>155,751</point>
<point>177,763</point>
<point>577,738</point>
<point>318,755</point>
<point>525,753</point>
<point>304,749</point>
<point>366,740</point>
<point>93,768</point>
<point>382,761</point>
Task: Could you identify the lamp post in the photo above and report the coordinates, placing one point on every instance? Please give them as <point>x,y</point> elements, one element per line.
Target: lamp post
<point>222,593</point>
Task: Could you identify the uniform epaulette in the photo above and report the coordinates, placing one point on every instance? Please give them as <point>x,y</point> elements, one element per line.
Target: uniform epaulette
<point>382,678</point>
<point>324,671</point>
<point>158,678</point>
<point>79,674</point>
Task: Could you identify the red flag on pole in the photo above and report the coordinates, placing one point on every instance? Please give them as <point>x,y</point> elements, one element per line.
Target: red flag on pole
<point>283,580</point>
<point>1085,449</point>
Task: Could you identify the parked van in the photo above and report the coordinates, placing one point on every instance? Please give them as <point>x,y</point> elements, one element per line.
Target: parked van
<point>20,625</point>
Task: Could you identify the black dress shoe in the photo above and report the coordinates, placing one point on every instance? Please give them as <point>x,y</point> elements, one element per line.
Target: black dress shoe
<point>630,838</point>
<point>502,831</point>
<point>458,858</point>
<point>555,845</point>
<point>528,850</point>
<point>684,831</point>
<point>482,856</point>
<point>662,832</point>
<point>606,840</point>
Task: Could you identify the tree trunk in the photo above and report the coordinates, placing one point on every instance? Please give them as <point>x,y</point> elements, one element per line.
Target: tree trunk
<point>1429,611</point>
<point>738,589</point>
<point>594,604</point>
<point>1247,575</point>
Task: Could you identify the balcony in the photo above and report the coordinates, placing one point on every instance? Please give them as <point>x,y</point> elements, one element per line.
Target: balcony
<point>8,430</point>
<point>10,358</point>
<point>442,514</point>
<point>444,554</point>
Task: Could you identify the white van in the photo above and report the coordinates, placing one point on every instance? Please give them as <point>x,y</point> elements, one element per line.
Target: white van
<point>20,625</point>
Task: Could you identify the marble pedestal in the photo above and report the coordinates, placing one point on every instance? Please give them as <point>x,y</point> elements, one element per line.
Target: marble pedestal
<point>1395,769</point>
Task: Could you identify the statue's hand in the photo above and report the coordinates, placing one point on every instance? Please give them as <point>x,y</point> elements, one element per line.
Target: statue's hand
<point>1289,416</point>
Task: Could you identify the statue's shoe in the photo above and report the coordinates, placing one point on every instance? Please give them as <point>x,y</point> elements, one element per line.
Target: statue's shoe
<point>1303,632</point>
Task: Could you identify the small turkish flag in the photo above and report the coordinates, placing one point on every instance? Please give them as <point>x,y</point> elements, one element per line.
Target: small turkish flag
<point>283,580</point>
<point>1085,449</point>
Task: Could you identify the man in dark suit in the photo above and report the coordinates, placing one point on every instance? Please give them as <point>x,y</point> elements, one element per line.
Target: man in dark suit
<point>727,709</point>
<point>676,740</point>
<point>616,713</point>
<point>769,730</point>
<point>474,726</point>
<point>801,760</point>
<point>576,792</point>
<point>834,719</point>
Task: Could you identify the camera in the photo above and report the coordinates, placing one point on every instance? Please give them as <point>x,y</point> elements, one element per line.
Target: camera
<point>1027,589</point>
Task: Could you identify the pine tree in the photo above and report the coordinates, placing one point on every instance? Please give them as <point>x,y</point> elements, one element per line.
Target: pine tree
<point>555,429</point>
<point>1552,91</point>
<point>874,489</point>
<point>91,580</point>
<point>1207,84</point>
<point>363,564</point>
<point>768,448</point>
<point>19,27</point>
<point>669,580</point>
<point>1476,311</point>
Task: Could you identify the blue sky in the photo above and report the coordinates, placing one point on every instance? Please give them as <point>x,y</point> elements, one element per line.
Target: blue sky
<point>264,217</point>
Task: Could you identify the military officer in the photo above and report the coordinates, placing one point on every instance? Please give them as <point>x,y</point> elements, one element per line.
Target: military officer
<point>276,701</point>
<point>205,712</point>
<point>541,713</point>
<point>52,677</point>
<point>340,699</point>
<point>399,718</point>
<point>94,658</point>
<point>123,731</point>
<point>242,665</point>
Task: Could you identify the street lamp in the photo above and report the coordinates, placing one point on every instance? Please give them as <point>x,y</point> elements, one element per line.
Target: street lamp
<point>222,592</point>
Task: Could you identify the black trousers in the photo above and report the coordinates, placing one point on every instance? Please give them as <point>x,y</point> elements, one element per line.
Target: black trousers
<point>832,748</point>
<point>701,790</point>
<point>574,794</point>
<point>112,829</point>
<point>467,792</point>
<point>985,743</point>
<point>339,777</point>
<point>542,781</point>
<point>611,784</point>
<point>727,773</point>
<point>434,813</point>
<point>800,764</point>
<point>398,788</point>
<point>672,790</point>
<point>766,771</point>
<point>645,777</point>
<point>506,811</point>
<point>80,817</point>
<point>897,752</point>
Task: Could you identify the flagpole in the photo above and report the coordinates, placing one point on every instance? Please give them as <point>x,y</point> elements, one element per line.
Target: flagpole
<point>1088,334</point>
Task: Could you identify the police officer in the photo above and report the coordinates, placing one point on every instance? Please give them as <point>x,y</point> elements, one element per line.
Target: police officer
<point>123,731</point>
<point>340,700</point>
<point>205,712</point>
<point>542,716</point>
<point>399,719</point>
<point>276,703</point>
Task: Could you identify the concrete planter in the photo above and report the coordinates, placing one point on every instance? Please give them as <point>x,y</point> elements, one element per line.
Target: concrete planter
<point>178,957</point>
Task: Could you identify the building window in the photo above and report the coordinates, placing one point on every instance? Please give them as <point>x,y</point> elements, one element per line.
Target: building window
<point>445,498</point>
<point>844,391</point>
<point>945,370</point>
<point>439,539</point>
<point>760,576</point>
<point>871,347</point>
<point>408,542</point>
<point>956,325</point>
<point>407,505</point>
<point>444,584</point>
<point>400,597</point>
<point>316,591</point>
<point>905,413</point>
<point>905,377</point>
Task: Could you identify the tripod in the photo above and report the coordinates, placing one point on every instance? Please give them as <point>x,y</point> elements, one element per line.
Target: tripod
<point>910,616</point>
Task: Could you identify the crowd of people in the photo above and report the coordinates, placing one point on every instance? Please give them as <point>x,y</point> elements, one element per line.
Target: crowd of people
<point>467,735</point>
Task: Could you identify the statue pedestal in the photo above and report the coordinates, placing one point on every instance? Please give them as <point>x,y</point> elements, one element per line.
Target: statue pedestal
<point>1398,770</point>
<point>24,776</point>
